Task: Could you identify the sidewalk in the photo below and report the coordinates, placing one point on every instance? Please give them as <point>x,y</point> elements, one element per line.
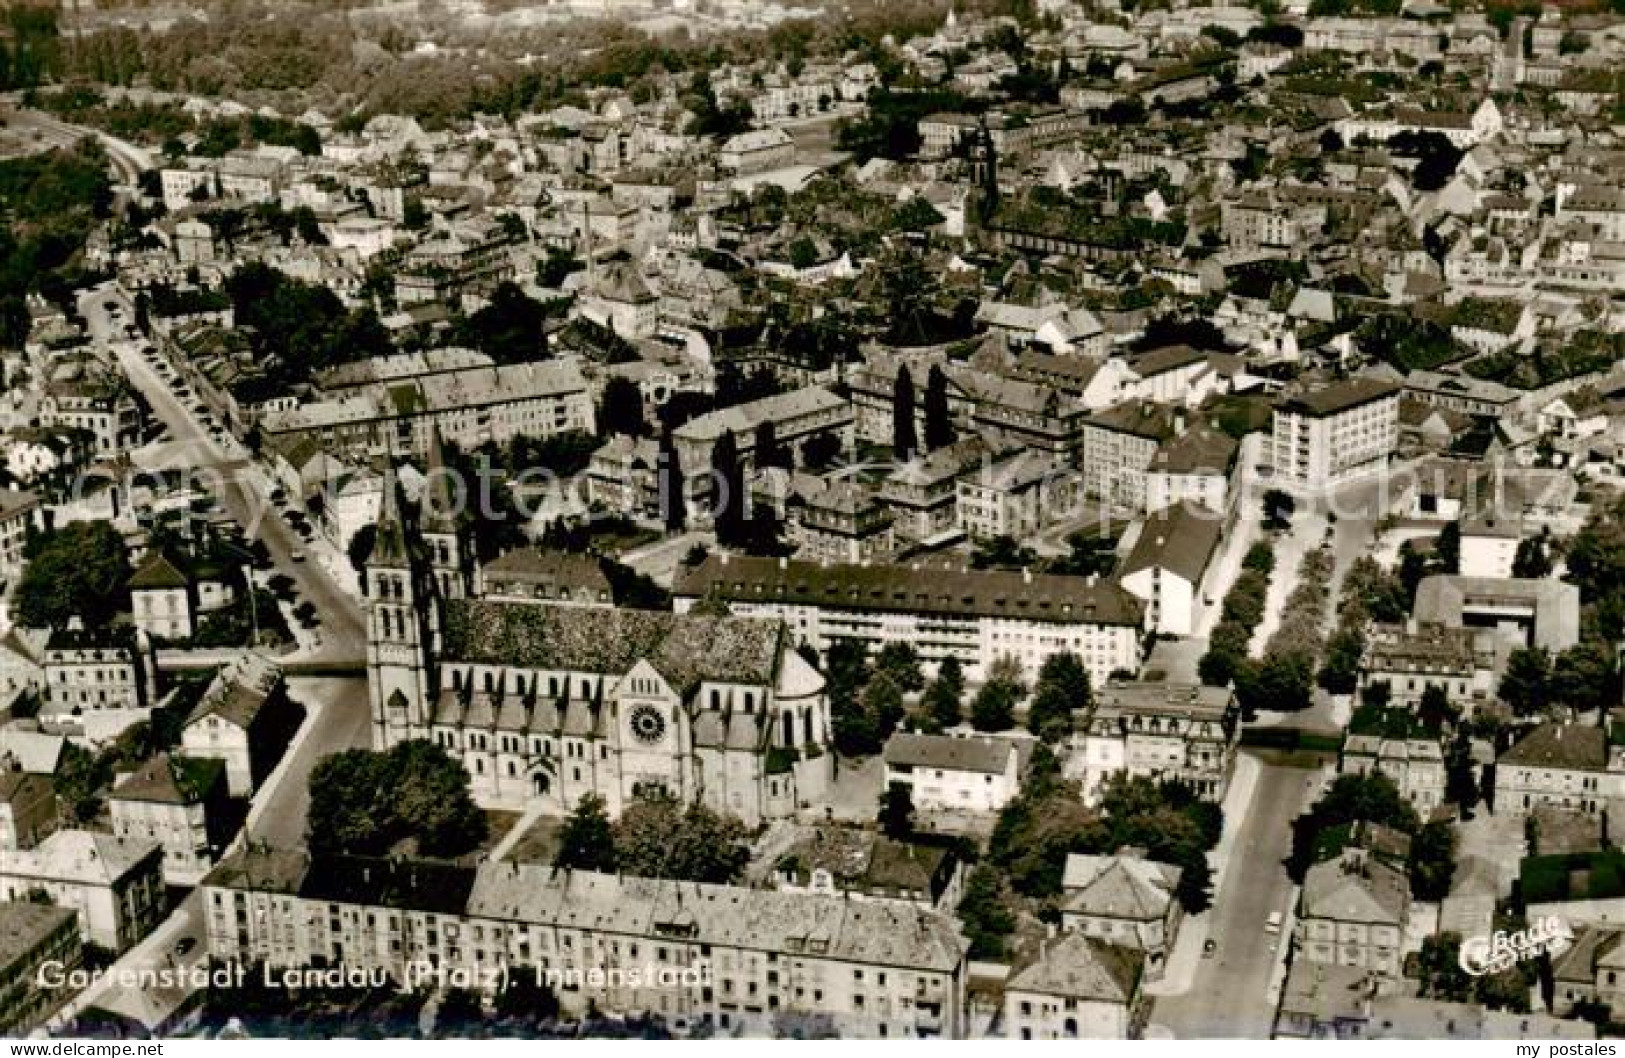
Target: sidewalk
<point>1186,957</point>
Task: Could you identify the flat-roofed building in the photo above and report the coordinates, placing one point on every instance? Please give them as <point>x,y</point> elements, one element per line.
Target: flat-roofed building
<point>1329,435</point>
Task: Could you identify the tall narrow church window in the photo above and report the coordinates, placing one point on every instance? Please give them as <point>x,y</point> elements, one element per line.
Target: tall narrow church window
<point>789,729</point>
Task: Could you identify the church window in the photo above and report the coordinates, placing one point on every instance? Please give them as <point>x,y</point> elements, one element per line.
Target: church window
<point>789,729</point>
<point>716,698</point>
<point>490,681</point>
<point>750,701</point>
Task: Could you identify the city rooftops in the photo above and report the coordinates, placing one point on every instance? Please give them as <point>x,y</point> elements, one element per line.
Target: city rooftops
<point>25,926</point>
<point>1181,538</point>
<point>1552,606</point>
<point>913,589</point>
<point>1164,699</point>
<point>1338,397</point>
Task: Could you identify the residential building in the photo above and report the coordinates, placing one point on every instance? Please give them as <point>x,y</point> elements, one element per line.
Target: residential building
<point>116,887</point>
<point>468,408</point>
<point>865,968</point>
<point>244,719</point>
<point>94,671</point>
<point>39,947</point>
<point>1416,766</point>
<point>19,516</point>
<point>859,864</point>
<point>1124,900</point>
<point>1411,658</point>
<point>1194,467</point>
<point>1167,569</point>
<point>976,616</point>
<point>179,803</point>
<point>957,773</point>
<point>1159,730</point>
<point>1540,613</point>
<point>1352,912</point>
<point>1119,445</point>
<point>1076,988</point>
<point>842,521</point>
<point>1329,435</point>
<point>1570,766</point>
<point>169,596</point>
<point>1014,496</point>
<point>28,807</point>
<point>795,418</point>
<point>757,151</point>
<point>562,577</point>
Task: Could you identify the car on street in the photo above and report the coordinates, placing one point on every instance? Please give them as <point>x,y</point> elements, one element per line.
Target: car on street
<point>297,554</point>
<point>1273,923</point>
<point>185,945</point>
<point>1209,947</point>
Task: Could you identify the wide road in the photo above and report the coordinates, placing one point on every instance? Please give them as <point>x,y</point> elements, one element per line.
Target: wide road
<point>236,484</point>
<point>1229,996</point>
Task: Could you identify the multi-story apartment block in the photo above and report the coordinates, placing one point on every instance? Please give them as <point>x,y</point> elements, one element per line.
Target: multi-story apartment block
<point>39,948</point>
<point>730,957</point>
<point>180,803</point>
<point>244,719</point>
<point>1014,496</point>
<point>1352,912</point>
<point>977,617</point>
<point>795,417</point>
<point>1169,566</point>
<point>116,886</point>
<point>841,522</point>
<point>1195,467</point>
<point>468,408</point>
<point>1335,433</point>
<point>93,671</point>
<point>1160,730</point>
<point>111,417</point>
<point>1119,445</point>
<point>922,493</point>
<point>1077,988</point>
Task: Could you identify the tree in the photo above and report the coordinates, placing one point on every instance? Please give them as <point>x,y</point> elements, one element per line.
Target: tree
<point>944,699</point>
<point>897,811</point>
<point>994,707</point>
<point>1526,683</point>
<point>1195,889</point>
<point>1447,549</point>
<point>939,427</point>
<point>1438,965</point>
<point>986,912</point>
<point>903,439</point>
<point>1460,786</point>
<point>882,700</point>
<point>1435,709</point>
<point>656,837</point>
<point>1061,690</point>
<point>1533,560</point>
<point>901,662</point>
<point>1351,798</point>
<point>1433,861</point>
<point>359,550</point>
<point>78,571</point>
<point>728,481</point>
<point>621,409</point>
<point>587,840</point>
<point>673,502</point>
<point>511,328</point>
<point>364,802</point>
<point>768,451</point>
<point>1278,509</point>
<point>1585,677</point>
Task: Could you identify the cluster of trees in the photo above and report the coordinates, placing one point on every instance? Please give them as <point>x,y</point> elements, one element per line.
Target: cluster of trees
<point>655,837</point>
<point>365,803</point>
<point>1322,831</point>
<point>1243,610</point>
<point>1284,679</point>
<point>994,706</point>
<point>939,428</point>
<point>1048,821</point>
<point>31,52</point>
<point>48,204</point>
<point>298,327</point>
<point>80,570</point>
<point>1583,677</point>
<point>1370,593</point>
<point>867,697</point>
<point>511,328</point>
<point>1062,691</point>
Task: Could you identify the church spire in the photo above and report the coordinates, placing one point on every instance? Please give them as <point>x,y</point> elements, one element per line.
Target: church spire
<point>439,513</point>
<point>389,549</point>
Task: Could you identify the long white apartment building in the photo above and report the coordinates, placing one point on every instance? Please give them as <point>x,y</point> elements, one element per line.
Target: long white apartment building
<point>976,616</point>
<point>733,957</point>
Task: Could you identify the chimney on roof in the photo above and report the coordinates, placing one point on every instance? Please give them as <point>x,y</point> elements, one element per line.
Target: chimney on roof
<point>1179,422</point>
<point>783,562</point>
<point>1026,575</point>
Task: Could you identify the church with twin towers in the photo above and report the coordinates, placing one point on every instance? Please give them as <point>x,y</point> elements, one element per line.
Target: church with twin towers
<point>546,701</point>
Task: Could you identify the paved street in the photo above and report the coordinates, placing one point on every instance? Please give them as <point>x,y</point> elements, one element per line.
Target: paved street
<point>129,161</point>
<point>1229,995</point>
<point>238,489</point>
